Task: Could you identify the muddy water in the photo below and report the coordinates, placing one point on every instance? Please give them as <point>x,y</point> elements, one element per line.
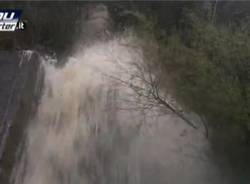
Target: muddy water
<point>89,128</point>
<point>82,132</point>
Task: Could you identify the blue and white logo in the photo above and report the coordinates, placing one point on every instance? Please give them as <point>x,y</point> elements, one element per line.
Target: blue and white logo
<point>10,20</point>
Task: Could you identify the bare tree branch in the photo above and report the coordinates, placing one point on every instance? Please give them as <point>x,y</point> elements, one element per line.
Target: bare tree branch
<point>148,94</point>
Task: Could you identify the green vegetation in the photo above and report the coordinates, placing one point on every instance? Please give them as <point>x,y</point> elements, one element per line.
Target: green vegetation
<point>210,73</point>
<point>206,67</point>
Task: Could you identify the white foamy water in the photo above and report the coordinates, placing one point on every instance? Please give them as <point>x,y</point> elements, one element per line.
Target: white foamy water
<point>77,108</point>
<point>82,134</point>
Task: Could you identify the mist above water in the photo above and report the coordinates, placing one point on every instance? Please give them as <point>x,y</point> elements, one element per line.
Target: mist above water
<point>77,118</point>
<point>87,131</point>
<point>82,133</point>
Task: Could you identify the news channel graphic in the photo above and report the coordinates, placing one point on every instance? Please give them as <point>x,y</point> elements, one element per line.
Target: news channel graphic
<point>10,20</point>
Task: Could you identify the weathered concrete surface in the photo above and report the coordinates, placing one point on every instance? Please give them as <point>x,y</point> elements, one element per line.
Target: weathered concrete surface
<point>18,76</point>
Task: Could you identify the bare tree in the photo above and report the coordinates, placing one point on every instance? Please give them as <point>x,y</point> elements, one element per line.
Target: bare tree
<point>147,90</point>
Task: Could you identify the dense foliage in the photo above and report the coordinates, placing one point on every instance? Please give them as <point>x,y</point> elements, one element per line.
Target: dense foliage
<point>206,66</point>
<point>210,72</point>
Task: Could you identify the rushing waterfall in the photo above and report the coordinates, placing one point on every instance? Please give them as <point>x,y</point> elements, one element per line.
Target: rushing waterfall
<point>90,129</point>
<point>77,118</point>
<point>85,132</point>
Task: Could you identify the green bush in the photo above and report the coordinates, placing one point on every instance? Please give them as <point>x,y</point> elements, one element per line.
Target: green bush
<point>212,71</point>
<point>207,69</point>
